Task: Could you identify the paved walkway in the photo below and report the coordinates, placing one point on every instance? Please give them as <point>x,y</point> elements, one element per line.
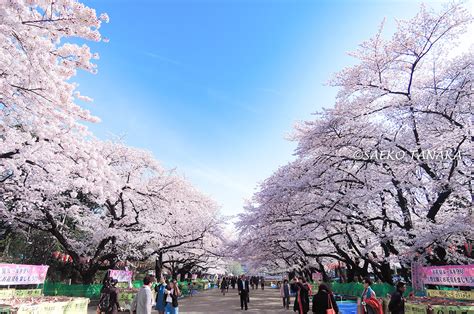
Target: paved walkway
<point>266,301</point>
<point>212,301</point>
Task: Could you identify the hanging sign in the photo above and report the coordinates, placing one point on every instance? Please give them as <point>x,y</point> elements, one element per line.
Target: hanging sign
<point>16,274</point>
<point>121,275</point>
<point>411,308</point>
<point>27,293</point>
<point>451,294</point>
<point>458,275</point>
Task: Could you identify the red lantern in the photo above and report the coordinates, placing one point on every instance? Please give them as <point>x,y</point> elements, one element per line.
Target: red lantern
<point>56,254</point>
<point>468,247</point>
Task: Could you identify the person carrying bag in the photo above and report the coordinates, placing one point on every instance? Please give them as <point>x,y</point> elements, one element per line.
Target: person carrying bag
<point>330,310</point>
<point>324,302</point>
<point>171,298</point>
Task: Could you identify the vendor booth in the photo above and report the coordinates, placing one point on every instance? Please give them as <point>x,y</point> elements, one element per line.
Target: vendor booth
<point>17,296</point>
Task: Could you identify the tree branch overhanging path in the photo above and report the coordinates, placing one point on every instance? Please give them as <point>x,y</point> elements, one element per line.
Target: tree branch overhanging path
<point>337,202</point>
<point>101,201</point>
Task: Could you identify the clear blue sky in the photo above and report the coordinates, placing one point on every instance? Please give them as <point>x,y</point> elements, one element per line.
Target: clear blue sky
<point>212,88</point>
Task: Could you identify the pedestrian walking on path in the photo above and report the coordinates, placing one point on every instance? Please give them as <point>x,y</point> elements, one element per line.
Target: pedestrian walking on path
<point>172,293</point>
<point>108,302</point>
<point>244,289</point>
<point>285,294</point>
<point>397,301</point>
<point>302,296</point>
<point>369,300</point>
<point>160,296</point>
<point>324,300</point>
<point>224,285</point>
<point>143,300</point>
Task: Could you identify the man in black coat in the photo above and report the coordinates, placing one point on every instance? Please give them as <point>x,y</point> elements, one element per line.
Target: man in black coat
<point>243,287</point>
<point>397,301</point>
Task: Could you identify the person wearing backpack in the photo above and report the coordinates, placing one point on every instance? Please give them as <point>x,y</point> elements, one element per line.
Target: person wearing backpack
<point>108,302</point>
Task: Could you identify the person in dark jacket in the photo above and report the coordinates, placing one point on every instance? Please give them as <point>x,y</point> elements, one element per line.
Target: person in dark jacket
<point>397,301</point>
<point>172,293</point>
<point>243,287</point>
<point>285,292</point>
<point>324,300</point>
<point>224,285</point>
<point>302,297</point>
<point>112,293</point>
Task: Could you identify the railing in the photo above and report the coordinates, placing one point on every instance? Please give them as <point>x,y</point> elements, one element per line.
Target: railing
<point>92,291</point>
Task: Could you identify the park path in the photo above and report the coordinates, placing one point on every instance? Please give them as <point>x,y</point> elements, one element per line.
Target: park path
<point>212,301</point>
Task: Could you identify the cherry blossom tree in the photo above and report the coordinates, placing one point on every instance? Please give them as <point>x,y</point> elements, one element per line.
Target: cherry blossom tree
<point>38,101</point>
<point>383,176</point>
<point>124,206</point>
<point>103,202</point>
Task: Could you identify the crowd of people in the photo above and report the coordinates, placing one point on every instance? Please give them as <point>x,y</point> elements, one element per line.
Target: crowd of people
<point>166,300</point>
<point>323,301</point>
<point>231,281</point>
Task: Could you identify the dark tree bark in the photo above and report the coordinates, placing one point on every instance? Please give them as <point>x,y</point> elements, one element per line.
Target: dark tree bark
<point>159,265</point>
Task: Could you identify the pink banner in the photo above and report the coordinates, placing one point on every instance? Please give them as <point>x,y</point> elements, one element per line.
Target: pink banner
<point>16,274</point>
<point>121,275</point>
<point>458,275</point>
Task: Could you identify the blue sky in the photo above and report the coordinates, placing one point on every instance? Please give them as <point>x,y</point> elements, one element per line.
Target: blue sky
<point>213,88</point>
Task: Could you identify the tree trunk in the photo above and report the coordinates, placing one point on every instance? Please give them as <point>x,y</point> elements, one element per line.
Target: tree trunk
<point>88,277</point>
<point>386,273</point>
<point>405,273</point>
<point>351,274</point>
<point>159,266</point>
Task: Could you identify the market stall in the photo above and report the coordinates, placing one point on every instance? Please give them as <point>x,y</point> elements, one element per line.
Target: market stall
<point>442,300</point>
<point>31,301</point>
<point>423,305</point>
